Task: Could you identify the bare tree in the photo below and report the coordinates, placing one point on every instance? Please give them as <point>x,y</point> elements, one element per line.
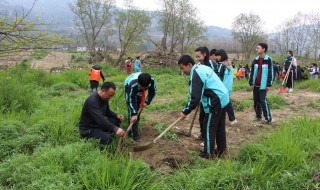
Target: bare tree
<point>247,29</point>
<point>92,15</point>
<point>132,25</point>
<point>20,33</point>
<point>191,29</point>
<point>314,34</point>
<point>300,28</point>
<point>180,28</point>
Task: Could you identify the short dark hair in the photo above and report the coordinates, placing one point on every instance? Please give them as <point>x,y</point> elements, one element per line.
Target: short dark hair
<point>213,51</point>
<point>107,85</point>
<point>129,58</point>
<point>144,79</point>
<point>185,60</point>
<point>263,45</point>
<point>138,57</point>
<point>291,53</point>
<point>204,50</point>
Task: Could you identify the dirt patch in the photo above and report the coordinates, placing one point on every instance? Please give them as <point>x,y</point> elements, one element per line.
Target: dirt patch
<point>168,155</point>
<point>52,60</point>
<point>10,59</point>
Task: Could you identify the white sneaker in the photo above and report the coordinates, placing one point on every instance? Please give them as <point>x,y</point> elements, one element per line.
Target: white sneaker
<point>233,122</point>
<point>202,144</point>
<point>290,90</point>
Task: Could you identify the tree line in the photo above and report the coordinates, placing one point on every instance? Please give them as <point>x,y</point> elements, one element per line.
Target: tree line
<point>178,27</point>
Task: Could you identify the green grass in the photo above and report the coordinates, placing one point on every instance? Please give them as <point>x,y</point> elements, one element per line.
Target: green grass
<point>274,101</point>
<point>310,85</point>
<point>287,159</point>
<point>315,104</point>
<point>41,148</point>
<point>242,85</point>
<point>170,135</point>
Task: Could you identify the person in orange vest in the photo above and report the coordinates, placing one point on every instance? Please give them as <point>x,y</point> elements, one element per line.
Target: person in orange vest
<point>128,66</point>
<point>234,72</point>
<point>95,76</point>
<point>240,73</point>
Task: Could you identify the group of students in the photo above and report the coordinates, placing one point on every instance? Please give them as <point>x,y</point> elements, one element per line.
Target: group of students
<point>210,86</point>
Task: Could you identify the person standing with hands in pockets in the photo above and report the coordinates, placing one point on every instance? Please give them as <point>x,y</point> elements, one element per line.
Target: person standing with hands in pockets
<point>260,82</point>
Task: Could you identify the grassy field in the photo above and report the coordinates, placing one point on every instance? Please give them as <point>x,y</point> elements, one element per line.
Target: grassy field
<point>41,148</point>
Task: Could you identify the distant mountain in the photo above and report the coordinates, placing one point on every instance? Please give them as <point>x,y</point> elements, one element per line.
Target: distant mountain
<point>58,12</point>
<point>215,31</point>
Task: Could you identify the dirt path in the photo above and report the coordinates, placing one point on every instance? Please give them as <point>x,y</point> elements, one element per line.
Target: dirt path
<point>166,154</point>
<point>52,60</point>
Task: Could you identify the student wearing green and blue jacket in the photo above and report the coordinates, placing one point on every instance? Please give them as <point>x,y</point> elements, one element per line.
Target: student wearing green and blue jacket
<point>206,86</point>
<point>136,86</point>
<point>260,82</point>
<point>225,71</point>
<point>202,56</point>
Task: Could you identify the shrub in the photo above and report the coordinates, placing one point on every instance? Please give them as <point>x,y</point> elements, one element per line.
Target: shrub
<point>64,87</point>
<point>15,138</point>
<point>79,57</point>
<point>16,96</point>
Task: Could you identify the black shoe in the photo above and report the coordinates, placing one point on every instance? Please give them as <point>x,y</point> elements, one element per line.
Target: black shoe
<point>266,122</point>
<point>207,156</point>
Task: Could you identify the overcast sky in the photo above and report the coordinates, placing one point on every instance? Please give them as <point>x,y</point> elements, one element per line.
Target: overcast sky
<point>222,13</point>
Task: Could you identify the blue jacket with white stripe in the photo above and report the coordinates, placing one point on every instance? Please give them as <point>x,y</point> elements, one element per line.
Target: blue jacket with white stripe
<point>267,74</point>
<point>226,75</point>
<point>132,91</point>
<point>206,86</point>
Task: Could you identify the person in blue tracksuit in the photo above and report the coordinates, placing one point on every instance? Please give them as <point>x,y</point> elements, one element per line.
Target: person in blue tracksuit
<point>202,55</point>
<point>206,86</point>
<point>137,64</point>
<point>225,70</point>
<point>135,87</point>
<point>292,73</point>
<point>260,82</point>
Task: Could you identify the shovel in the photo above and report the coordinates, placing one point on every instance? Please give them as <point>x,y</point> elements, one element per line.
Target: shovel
<point>120,143</point>
<point>150,144</point>
<point>283,89</point>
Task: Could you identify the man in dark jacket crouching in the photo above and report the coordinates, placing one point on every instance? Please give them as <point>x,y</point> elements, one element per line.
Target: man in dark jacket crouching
<point>97,120</point>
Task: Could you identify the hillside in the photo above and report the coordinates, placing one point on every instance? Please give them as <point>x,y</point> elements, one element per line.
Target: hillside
<point>62,16</point>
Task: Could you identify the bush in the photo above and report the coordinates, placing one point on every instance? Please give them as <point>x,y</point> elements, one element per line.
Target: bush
<point>80,78</point>
<point>16,96</point>
<point>38,77</point>
<point>79,57</point>
<point>16,138</point>
<point>64,87</point>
